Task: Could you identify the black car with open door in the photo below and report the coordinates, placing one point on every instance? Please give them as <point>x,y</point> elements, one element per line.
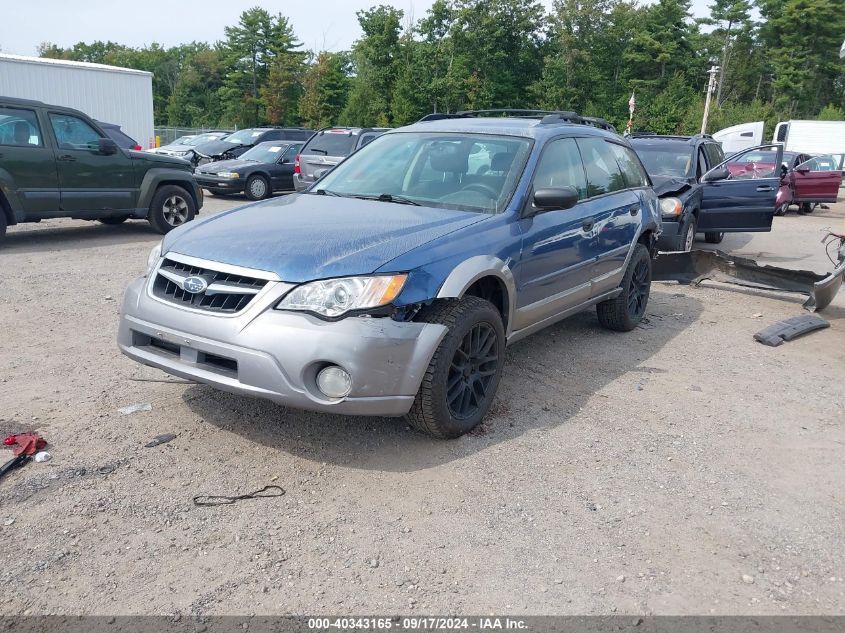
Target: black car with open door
<point>260,171</point>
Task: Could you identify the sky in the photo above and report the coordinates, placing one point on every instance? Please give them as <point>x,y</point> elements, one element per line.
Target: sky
<point>319,24</point>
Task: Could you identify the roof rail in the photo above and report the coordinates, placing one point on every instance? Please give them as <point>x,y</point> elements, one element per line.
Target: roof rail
<point>547,117</point>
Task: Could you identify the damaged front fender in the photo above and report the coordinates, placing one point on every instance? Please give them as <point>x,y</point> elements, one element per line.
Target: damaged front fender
<point>697,266</point>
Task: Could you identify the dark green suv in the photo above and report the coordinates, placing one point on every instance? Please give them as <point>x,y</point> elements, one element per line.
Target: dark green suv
<point>58,163</point>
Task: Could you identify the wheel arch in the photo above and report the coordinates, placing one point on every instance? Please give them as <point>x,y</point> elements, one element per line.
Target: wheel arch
<point>156,178</point>
<point>478,276</point>
<point>6,208</point>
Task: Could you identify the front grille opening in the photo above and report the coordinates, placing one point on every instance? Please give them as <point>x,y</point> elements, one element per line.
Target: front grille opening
<point>166,346</point>
<point>228,303</point>
<point>220,362</point>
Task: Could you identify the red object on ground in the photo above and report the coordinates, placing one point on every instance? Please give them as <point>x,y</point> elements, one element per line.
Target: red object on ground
<point>26,443</point>
<point>9,440</point>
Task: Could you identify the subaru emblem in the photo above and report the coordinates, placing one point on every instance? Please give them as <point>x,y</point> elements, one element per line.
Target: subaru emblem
<point>194,285</point>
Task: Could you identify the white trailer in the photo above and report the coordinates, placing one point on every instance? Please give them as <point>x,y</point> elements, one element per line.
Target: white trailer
<point>106,93</point>
<point>812,137</point>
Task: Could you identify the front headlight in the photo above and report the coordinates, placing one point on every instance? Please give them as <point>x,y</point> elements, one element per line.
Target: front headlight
<point>152,260</point>
<point>334,297</point>
<point>671,207</point>
<point>228,174</point>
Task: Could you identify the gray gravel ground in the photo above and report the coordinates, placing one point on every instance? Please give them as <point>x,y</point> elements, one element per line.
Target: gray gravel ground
<point>679,469</point>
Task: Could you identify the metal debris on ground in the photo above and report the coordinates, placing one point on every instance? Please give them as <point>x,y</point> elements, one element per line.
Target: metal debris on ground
<point>221,500</point>
<point>43,456</point>
<point>790,329</point>
<point>164,438</point>
<point>25,445</point>
<point>135,408</point>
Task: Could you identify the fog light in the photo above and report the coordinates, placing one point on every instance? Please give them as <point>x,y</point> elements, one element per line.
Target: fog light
<point>334,382</point>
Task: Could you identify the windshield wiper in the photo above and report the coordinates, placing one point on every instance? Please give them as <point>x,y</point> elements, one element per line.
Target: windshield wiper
<point>389,197</point>
<point>326,192</point>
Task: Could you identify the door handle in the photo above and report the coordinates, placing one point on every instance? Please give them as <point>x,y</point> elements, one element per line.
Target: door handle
<point>587,225</point>
<point>765,188</point>
<point>66,158</point>
<point>634,210</point>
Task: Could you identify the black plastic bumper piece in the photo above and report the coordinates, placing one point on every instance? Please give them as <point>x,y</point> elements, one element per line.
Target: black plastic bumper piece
<point>790,329</point>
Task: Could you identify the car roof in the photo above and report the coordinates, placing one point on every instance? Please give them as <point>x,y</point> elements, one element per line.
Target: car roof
<point>507,126</point>
<point>277,143</point>
<point>657,139</point>
<point>31,103</point>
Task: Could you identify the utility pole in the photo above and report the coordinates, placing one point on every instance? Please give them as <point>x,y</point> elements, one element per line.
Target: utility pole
<point>710,85</point>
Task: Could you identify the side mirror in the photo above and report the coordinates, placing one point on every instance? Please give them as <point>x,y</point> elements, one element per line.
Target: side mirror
<point>555,198</point>
<point>720,173</point>
<point>803,169</point>
<point>104,147</point>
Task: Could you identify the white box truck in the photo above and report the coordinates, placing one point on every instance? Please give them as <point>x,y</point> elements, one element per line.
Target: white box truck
<point>812,137</point>
<point>122,96</point>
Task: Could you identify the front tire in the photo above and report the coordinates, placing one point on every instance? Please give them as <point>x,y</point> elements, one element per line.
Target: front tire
<point>714,237</point>
<point>461,380</point>
<point>172,206</point>
<point>687,236</point>
<point>624,312</point>
<point>782,209</point>
<point>257,188</point>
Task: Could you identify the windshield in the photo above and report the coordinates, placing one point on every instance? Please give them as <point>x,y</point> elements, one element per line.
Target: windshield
<point>203,138</point>
<point>244,137</point>
<point>183,140</point>
<point>666,160</point>
<point>263,153</point>
<point>331,143</point>
<point>470,172</point>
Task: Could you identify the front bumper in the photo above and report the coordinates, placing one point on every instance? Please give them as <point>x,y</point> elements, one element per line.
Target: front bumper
<point>668,239</point>
<point>276,355</point>
<point>222,184</point>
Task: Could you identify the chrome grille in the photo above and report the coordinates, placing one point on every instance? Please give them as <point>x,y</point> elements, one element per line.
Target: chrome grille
<point>225,292</point>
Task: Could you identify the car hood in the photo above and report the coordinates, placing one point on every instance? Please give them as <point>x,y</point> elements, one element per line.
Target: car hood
<point>215,148</point>
<point>226,165</point>
<point>302,237</point>
<point>667,185</point>
<point>172,161</point>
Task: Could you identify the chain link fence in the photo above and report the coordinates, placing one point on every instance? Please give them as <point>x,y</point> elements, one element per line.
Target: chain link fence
<point>166,135</point>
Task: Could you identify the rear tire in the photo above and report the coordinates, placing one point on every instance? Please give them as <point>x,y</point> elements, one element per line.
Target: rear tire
<point>172,206</point>
<point>624,313</point>
<point>2,226</point>
<point>257,187</point>
<point>782,209</point>
<point>461,380</point>
<point>714,237</point>
<point>117,219</point>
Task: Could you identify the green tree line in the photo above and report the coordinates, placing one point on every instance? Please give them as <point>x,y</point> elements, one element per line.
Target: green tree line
<point>778,60</point>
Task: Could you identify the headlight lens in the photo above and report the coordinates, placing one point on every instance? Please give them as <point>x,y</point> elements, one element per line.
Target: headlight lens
<point>334,297</point>
<point>671,206</point>
<point>228,174</point>
<point>152,260</point>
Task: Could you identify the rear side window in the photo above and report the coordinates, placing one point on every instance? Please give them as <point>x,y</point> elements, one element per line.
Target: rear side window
<point>330,143</point>
<point>560,166</point>
<point>72,132</point>
<point>603,173</point>
<point>632,170</point>
<point>120,138</point>
<point>19,128</point>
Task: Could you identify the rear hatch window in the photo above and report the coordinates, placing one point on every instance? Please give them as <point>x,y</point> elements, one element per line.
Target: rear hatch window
<point>330,143</point>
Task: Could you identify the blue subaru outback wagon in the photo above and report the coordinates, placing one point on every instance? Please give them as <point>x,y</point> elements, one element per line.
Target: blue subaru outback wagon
<point>393,284</point>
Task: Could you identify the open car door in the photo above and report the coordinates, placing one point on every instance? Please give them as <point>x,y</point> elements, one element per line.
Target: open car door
<point>817,180</point>
<point>738,195</point>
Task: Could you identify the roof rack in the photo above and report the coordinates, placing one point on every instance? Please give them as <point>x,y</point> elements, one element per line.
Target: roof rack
<point>547,117</point>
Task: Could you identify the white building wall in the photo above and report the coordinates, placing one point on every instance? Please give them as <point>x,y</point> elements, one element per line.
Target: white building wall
<point>106,93</point>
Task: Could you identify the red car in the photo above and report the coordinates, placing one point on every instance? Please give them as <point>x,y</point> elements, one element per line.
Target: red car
<point>807,181</point>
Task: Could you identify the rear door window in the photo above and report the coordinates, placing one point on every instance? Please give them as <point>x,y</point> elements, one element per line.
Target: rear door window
<point>603,173</point>
<point>632,170</point>
<point>19,128</point>
<point>330,143</point>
